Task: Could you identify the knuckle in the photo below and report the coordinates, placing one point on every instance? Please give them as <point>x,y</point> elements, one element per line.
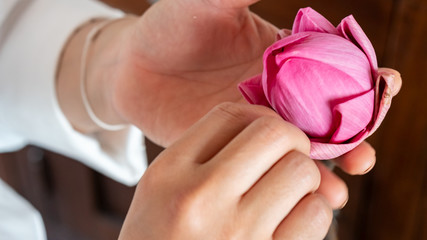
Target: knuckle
<point>301,139</point>
<point>184,200</point>
<point>229,110</point>
<point>242,112</point>
<point>274,128</point>
<point>319,212</point>
<point>187,206</point>
<point>151,178</point>
<point>305,170</point>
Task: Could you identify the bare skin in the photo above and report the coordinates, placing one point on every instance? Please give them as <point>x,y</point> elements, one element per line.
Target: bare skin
<point>213,194</point>
<point>164,71</point>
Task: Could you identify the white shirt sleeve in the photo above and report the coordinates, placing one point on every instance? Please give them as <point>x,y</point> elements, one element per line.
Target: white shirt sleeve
<point>32,36</point>
<point>19,220</point>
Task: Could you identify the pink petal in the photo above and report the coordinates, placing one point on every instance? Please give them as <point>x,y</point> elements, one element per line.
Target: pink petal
<point>252,90</point>
<point>288,40</point>
<point>355,115</point>
<point>384,93</point>
<point>322,47</point>
<point>269,58</point>
<point>304,92</point>
<point>308,20</point>
<point>324,151</point>
<point>352,31</point>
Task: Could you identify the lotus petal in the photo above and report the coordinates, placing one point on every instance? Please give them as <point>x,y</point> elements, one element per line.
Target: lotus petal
<point>384,95</point>
<point>354,116</point>
<point>252,91</point>
<point>322,47</point>
<point>308,20</point>
<point>352,31</point>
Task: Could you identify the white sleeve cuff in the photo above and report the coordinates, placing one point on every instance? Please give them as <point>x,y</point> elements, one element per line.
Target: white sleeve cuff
<point>29,109</point>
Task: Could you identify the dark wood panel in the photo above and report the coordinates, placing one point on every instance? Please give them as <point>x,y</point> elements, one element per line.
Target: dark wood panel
<point>398,183</point>
<point>421,230</point>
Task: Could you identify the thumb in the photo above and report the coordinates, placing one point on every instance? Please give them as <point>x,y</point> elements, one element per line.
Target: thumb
<point>233,4</point>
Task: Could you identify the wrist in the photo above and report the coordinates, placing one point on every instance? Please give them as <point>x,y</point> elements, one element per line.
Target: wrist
<point>100,58</point>
<point>103,63</point>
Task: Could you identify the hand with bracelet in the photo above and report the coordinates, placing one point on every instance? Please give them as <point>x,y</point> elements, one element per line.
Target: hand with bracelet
<point>239,172</point>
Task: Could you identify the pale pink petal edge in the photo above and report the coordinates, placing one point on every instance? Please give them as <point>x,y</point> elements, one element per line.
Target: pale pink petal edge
<point>309,20</point>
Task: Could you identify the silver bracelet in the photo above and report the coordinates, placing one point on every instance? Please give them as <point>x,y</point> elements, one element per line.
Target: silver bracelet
<point>83,72</point>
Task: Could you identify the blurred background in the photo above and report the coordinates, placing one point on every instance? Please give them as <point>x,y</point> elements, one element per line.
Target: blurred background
<point>388,203</point>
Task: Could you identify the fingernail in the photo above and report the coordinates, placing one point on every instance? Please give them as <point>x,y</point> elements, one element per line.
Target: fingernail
<point>345,203</point>
<point>368,169</point>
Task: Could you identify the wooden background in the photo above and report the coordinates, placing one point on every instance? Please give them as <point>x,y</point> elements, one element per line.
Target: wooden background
<point>388,203</point>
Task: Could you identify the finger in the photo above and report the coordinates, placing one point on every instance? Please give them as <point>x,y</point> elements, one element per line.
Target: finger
<point>358,161</point>
<point>216,129</point>
<point>277,192</point>
<point>397,79</point>
<point>332,187</point>
<point>282,33</point>
<point>310,219</point>
<point>253,152</point>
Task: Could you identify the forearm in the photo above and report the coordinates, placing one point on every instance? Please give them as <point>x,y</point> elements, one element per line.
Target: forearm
<point>100,60</point>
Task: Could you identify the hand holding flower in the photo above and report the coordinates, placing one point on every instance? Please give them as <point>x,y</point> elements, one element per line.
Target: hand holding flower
<point>163,89</point>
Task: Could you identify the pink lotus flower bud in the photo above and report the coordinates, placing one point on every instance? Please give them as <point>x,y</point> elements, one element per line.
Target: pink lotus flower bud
<point>324,80</point>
